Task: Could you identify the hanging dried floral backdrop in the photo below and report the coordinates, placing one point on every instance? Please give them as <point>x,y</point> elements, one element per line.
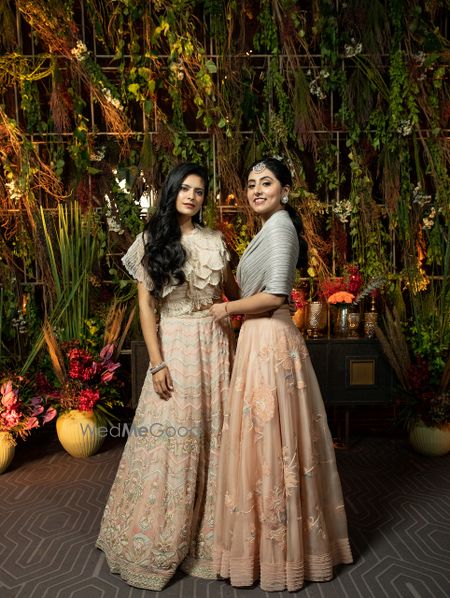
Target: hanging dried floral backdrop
<point>101,97</point>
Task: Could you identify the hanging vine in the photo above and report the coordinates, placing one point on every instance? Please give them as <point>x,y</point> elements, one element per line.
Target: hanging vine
<point>100,103</point>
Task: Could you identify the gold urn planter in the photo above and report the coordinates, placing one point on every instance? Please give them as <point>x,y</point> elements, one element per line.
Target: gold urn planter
<point>430,441</point>
<point>79,433</point>
<point>7,450</point>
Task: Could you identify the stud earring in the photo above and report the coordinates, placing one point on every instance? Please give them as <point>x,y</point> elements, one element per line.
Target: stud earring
<point>284,199</point>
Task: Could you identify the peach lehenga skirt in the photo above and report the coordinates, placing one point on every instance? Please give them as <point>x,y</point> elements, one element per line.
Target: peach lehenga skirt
<point>160,511</point>
<point>280,514</point>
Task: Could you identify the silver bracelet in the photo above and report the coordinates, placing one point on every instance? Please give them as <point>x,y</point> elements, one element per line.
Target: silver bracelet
<point>158,368</point>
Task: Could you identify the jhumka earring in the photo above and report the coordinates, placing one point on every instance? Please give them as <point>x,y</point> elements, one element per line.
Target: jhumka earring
<point>284,199</point>
<point>259,167</point>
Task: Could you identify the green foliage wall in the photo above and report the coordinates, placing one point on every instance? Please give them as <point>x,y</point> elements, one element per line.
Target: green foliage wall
<point>354,94</point>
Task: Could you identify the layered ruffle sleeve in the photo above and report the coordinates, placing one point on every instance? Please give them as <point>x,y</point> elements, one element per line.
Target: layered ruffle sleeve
<point>132,261</point>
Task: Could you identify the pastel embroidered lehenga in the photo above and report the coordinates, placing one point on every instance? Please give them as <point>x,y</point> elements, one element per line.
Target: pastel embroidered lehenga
<point>160,512</point>
<point>280,515</point>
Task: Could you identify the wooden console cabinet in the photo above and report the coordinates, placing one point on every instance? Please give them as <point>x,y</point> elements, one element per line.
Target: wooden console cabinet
<point>351,371</point>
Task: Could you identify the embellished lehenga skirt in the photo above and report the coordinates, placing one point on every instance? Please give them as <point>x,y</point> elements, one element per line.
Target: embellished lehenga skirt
<point>280,514</point>
<point>160,511</point>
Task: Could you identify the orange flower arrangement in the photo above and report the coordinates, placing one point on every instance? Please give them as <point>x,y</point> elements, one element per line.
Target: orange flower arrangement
<point>341,297</point>
<point>340,288</point>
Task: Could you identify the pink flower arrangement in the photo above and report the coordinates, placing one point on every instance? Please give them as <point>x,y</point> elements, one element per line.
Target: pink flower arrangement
<point>23,406</point>
<point>85,379</point>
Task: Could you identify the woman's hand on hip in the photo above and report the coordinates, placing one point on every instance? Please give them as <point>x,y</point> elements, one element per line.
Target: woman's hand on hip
<point>162,383</point>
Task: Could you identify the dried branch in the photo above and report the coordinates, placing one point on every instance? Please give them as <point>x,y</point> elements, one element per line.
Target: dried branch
<point>395,346</point>
<point>54,350</point>
<point>58,32</point>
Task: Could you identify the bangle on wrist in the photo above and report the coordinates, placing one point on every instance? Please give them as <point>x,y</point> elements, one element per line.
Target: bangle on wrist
<point>158,368</point>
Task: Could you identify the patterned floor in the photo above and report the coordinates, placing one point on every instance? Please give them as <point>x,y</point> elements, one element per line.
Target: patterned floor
<point>398,506</point>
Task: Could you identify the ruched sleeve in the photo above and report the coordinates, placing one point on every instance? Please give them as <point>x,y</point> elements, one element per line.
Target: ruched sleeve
<point>269,262</point>
<point>132,261</point>
<point>281,249</point>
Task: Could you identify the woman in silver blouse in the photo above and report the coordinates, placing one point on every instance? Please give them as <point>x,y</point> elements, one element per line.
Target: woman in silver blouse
<point>160,512</point>
<point>280,514</point>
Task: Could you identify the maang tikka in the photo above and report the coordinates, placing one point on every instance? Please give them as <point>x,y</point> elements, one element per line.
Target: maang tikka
<point>259,167</point>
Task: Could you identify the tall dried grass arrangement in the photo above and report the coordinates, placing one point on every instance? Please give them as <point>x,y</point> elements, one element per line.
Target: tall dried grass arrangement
<point>20,152</point>
<point>8,35</point>
<point>54,351</point>
<point>295,49</point>
<point>231,182</point>
<point>311,210</point>
<point>389,168</point>
<point>445,380</point>
<point>57,31</point>
<point>115,330</point>
<point>395,346</point>
<point>58,104</point>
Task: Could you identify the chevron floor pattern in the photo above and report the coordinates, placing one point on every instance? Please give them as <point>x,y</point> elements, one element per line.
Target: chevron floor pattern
<point>398,506</point>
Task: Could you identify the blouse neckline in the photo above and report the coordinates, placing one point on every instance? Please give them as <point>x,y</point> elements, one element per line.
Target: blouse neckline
<point>191,232</point>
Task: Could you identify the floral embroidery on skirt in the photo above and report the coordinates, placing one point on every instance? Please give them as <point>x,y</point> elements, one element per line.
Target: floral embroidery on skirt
<point>280,514</point>
<point>160,512</point>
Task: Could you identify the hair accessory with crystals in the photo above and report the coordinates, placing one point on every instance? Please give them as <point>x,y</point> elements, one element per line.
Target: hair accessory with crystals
<point>259,167</point>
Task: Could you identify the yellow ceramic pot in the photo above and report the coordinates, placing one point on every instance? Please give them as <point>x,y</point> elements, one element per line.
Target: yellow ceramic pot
<point>430,441</point>
<point>7,450</point>
<point>79,433</point>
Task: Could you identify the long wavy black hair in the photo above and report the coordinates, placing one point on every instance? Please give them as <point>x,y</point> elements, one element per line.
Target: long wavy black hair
<point>283,174</point>
<point>164,256</point>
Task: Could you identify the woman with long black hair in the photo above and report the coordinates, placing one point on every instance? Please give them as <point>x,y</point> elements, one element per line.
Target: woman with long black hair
<point>280,512</point>
<point>160,512</point>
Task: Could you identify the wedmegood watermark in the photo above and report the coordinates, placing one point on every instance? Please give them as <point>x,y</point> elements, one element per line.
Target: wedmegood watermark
<point>156,430</point>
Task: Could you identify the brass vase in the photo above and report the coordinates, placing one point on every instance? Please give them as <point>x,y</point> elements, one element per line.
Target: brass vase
<point>316,318</point>
<point>354,322</point>
<point>370,321</point>
<point>341,329</point>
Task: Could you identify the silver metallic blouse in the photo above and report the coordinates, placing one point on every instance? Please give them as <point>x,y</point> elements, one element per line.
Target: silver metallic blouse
<point>268,264</point>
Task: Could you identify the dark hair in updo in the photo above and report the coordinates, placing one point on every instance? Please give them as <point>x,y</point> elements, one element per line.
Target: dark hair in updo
<point>165,256</point>
<point>283,174</point>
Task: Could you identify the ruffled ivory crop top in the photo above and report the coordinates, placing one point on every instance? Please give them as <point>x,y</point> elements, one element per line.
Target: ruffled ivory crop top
<point>206,260</point>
